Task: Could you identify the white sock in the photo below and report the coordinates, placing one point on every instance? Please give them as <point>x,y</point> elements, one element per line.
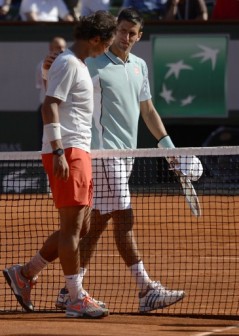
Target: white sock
<point>140,274</point>
<point>74,286</point>
<point>35,265</point>
<point>81,275</point>
<point>82,272</point>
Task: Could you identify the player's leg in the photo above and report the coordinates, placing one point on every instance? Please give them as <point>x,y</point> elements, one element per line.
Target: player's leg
<point>122,214</point>
<point>124,236</point>
<point>99,219</point>
<point>21,278</point>
<point>72,221</point>
<point>152,294</point>
<point>88,245</point>
<point>75,222</point>
<point>89,242</point>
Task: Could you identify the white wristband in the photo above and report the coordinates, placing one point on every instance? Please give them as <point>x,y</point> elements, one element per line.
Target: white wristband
<point>44,73</point>
<point>53,131</point>
<point>166,142</point>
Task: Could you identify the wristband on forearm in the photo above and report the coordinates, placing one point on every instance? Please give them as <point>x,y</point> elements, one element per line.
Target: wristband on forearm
<point>166,142</point>
<point>53,131</point>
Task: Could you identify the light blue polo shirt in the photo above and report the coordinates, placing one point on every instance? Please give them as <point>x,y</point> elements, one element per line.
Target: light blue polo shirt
<point>118,90</point>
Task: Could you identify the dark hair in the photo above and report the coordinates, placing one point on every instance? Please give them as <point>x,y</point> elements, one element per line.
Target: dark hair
<point>131,15</point>
<point>101,23</point>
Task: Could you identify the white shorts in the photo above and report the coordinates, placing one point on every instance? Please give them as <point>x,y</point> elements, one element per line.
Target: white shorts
<point>111,188</point>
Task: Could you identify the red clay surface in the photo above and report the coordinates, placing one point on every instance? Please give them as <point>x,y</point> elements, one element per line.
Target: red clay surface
<point>114,325</point>
<point>198,255</point>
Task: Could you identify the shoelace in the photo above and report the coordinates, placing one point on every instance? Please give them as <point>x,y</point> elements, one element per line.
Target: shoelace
<point>89,299</point>
<point>156,285</point>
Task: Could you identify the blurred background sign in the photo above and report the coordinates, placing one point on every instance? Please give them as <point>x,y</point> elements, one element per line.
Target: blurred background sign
<point>190,75</point>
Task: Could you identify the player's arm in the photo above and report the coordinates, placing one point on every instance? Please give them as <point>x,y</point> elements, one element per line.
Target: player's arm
<point>152,119</point>
<point>52,129</point>
<point>155,125</point>
<point>184,167</point>
<point>189,166</point>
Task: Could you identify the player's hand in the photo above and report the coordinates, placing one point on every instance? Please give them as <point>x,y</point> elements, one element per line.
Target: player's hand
<point>50,58</point>
<point>60,167</point>
<point>190,166</point>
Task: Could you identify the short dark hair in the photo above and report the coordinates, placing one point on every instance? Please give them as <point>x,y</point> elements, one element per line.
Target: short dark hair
<point>101,23</point>
<point>131,15</point>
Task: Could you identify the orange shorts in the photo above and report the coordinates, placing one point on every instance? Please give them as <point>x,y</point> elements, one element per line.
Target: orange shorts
<point>78,189</point>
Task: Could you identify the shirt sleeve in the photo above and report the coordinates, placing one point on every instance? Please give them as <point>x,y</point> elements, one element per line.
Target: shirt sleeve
<point>145,93</point>
<point>61,77</point>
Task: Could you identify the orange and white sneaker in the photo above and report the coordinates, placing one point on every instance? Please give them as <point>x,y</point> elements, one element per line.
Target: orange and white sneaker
<point>63,299</point>
<point>20,286</point>
<point>86,308</point>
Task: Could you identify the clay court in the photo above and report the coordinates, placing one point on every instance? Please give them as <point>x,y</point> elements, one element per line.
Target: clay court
<point>119,325</point>
<point>198,255</point>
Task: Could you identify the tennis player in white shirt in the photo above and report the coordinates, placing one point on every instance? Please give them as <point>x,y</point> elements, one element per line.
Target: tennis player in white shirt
<point>67,116</point>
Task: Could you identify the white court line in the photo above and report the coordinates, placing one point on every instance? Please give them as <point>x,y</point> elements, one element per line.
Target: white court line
<point>216,331</point>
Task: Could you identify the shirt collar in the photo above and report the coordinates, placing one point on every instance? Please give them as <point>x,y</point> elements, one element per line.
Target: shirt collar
<point>115,59</point>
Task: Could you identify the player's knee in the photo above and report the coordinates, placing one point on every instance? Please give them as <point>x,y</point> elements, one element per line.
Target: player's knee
<point>123,219</point>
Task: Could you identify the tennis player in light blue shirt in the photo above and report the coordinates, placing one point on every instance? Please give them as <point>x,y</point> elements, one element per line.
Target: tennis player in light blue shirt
<point>121,93</point>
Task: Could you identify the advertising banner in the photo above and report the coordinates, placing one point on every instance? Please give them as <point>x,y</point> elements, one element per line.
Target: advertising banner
<point>189,75</point>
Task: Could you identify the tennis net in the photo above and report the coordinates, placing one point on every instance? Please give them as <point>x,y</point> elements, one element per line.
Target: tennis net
<point>196,254</point>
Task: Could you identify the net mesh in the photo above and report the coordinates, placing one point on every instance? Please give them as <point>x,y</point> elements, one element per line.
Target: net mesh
<point>182,251</point>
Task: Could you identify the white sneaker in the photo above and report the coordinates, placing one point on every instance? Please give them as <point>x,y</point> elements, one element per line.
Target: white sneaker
<point>158,297</point>
<point>63,299</point>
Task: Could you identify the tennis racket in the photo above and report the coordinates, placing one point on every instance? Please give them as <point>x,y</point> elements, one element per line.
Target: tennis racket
<point>190,194</point>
